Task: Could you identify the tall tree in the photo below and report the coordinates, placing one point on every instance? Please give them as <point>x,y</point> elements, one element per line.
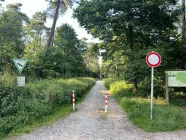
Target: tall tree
<point>91,58</point>
<point>36,28</point>
<point>56,7</point>
<point>183,24</point>
<point>11,32</point>
<point>139,25</point>
<point>35,38</point>
<point>65,57</point>
<point>66,39</point>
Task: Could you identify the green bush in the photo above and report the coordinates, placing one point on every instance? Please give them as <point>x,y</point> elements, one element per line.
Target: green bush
<point>121,89</point>
<point>124,89</point>
<point>7,79</point>
<point>7,124</point>
<point>118,87</point>
<point>177,98</point>
<point>22,105</point>
<point>33,109</point>
<point>108,81</point>
<point>26,111</point>
<point>144,88</point>
<point>10,97</point>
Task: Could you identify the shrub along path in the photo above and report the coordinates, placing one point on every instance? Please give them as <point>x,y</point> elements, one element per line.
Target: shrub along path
<point>90,122</point>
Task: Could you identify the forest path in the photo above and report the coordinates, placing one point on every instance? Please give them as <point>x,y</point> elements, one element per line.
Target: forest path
<point>90,122</point>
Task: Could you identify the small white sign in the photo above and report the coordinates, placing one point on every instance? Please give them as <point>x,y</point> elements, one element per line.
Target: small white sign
<point>21,81</point>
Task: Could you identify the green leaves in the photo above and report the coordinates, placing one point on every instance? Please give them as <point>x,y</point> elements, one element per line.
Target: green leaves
<point>20,106</point>
<point>11,32</point>
<point>129,30</point>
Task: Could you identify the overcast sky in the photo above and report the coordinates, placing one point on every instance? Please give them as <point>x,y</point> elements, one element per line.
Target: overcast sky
<point>31,6</point>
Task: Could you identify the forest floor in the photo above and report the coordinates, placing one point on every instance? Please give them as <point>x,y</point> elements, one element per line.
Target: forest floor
<point>90,122</point>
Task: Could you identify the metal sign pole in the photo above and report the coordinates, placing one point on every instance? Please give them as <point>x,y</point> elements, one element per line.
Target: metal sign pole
<point>153,59</point>
<point>152,90</point>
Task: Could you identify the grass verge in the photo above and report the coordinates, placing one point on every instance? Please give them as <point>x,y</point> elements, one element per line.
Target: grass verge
<point>165,118</point>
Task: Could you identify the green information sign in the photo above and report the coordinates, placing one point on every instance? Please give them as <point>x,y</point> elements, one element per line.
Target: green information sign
<point>176,78</point>
<point>20,64</point>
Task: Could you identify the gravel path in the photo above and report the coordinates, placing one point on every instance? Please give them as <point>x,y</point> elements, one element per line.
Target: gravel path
<point>90,122</point>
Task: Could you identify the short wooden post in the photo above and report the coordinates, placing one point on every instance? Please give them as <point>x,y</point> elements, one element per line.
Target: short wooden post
<point>166,88</point>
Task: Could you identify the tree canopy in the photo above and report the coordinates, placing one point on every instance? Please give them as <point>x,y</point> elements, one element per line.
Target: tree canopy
<point>24,37</point>
<point>129,30</point>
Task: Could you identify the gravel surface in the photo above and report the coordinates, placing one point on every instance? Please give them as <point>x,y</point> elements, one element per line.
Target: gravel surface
<point>90,122</point>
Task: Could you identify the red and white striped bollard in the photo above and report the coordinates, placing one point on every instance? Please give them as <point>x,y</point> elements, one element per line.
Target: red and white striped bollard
<point>73,100</point>
<point>106,101</point>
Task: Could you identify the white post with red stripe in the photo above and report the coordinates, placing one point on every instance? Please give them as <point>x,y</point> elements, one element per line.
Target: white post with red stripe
<point>106,101</point>
<point>73,100</point>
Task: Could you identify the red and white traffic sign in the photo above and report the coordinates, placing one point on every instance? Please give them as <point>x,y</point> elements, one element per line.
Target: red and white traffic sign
<point>153,59</point>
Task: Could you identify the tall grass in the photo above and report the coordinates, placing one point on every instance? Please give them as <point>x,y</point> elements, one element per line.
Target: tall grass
<point>165,118</point>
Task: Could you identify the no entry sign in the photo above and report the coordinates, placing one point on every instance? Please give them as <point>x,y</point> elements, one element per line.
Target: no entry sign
<point>153,59</point>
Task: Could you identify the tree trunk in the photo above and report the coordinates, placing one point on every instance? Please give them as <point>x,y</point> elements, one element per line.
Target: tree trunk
<point>183,23</point>
<point>131,40</point>
<point>135,86</point>
<point>49,41</point>
<point>131,37</point>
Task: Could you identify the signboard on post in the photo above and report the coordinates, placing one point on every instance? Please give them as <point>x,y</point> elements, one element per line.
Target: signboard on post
<point>153,59</point>
<point>20,64</point>
<point>176,78</point>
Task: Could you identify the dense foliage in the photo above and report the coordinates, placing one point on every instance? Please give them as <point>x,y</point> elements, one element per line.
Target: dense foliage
<point>129,30</point>
<point>45,90</point>
<point>19,106</point>
<point>22,37</point>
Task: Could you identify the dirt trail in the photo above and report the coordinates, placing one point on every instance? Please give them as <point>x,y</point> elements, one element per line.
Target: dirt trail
<point>90,122</point>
